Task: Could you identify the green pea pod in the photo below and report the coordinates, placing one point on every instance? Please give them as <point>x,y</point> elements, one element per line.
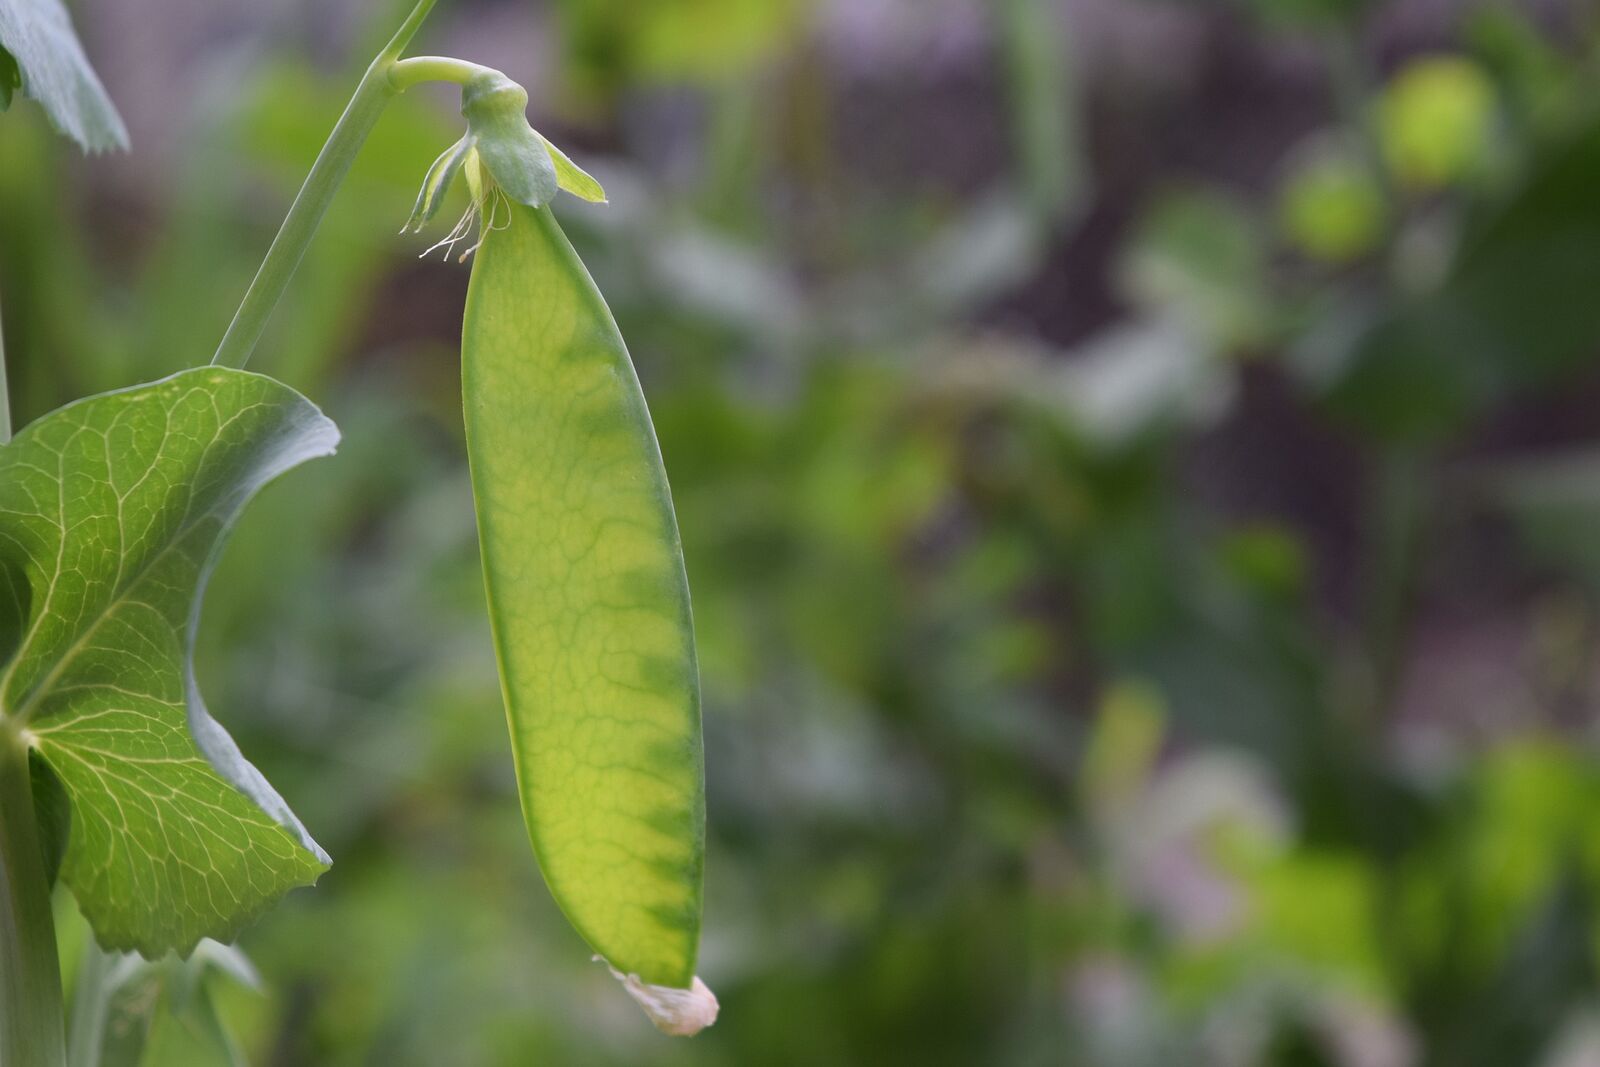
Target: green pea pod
<point>590,608</point>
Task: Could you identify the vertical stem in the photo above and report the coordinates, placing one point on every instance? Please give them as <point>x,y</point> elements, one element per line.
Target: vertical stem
<point>1399,512</point>
<point>5,393</point>
<point>294,236</point>
<point>91,1001</point>
<point>1044,106</point>
<point>31,1027</point>
<point>305,214</point>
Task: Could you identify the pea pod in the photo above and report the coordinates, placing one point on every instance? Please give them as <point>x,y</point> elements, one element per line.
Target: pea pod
<point>590,607</point>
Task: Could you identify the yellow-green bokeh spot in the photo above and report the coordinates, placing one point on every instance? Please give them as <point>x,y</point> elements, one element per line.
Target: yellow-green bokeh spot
<point>1436,121</point>
<point>588,599</point>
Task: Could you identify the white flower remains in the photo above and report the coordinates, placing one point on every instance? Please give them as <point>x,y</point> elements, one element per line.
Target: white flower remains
<point>679,1012</point>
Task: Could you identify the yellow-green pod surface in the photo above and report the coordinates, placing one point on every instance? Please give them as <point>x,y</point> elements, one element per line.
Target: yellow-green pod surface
<point>588,599</point>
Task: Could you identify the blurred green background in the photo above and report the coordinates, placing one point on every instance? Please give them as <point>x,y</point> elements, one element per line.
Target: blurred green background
<point>1139,469</point>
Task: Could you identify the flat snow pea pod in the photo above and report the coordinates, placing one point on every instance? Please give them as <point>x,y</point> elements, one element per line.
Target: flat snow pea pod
<point>589,604</point>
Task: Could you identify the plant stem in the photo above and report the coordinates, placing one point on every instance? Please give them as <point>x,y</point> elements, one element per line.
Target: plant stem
<point>305,214</point>
<point>5,392</point>
<point>1399,513</point>
<point>91,1003</point>
<point>418,69</point>
<point>31,1022</point>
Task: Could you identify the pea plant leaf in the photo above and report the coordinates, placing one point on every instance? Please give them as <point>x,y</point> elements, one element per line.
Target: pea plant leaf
<point>590,608</point>
<point>112,511</point>
<point>40,54</point>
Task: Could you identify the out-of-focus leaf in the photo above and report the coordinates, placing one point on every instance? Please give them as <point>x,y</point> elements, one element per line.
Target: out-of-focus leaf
<point>976,256</point>
<point>112,508</point>
<point>1266,559</point>
<point>1199,257</point>
<point>1112,392</point>
<point>614,43</point>
<point>1554,502</point>
<point>1521,282</point>
<point>1319,909</point>
<point>156,1013</point>
<point>1515,310</point>
<point>1535,74</point>
<point>193,1036</point>
<point>1134,379</point>
<point>1123,747</point>
<point>1536,806</point>
<point>1411,377</point>
<point>1310,12</point>
<point>41,55</point>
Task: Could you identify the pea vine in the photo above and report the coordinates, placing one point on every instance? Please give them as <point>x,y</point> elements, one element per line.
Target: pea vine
<point>115,779</point>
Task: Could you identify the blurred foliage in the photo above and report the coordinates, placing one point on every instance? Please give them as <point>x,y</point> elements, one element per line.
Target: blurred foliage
<point>612,45</point>
<point>1146,580</point>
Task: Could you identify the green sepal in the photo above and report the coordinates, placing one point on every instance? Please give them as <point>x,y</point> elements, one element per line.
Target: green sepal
<point>437,183</point>
<point>500,151</point>
<point>573,178</point>
<point>516,157</point>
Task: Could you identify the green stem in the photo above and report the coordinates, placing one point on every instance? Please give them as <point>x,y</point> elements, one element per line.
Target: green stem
<point>31,1026</point>
<point>5,393</point>
<point>91,1004</point>
<point>305,214</point>
<point>1039,66</point>
<point>1400,509</point>
<point>418,69</point>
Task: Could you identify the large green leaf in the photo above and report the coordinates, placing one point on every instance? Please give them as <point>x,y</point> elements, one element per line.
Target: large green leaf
<point>40,53</point>
<point>589,601</point>
<point>111,512</point>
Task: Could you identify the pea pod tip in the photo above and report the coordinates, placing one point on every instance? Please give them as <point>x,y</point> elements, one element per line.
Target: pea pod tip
<point>676,1012</point>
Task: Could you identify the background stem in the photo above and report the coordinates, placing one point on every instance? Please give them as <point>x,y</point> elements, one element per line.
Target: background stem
<point>1399,511</point>
<point>31,1023</point>
<point>91,1002</point>
<point>5,393</point>
<point>305,214</point>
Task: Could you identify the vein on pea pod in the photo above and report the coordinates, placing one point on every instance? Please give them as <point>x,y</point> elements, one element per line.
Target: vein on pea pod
<point>509,167</point>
